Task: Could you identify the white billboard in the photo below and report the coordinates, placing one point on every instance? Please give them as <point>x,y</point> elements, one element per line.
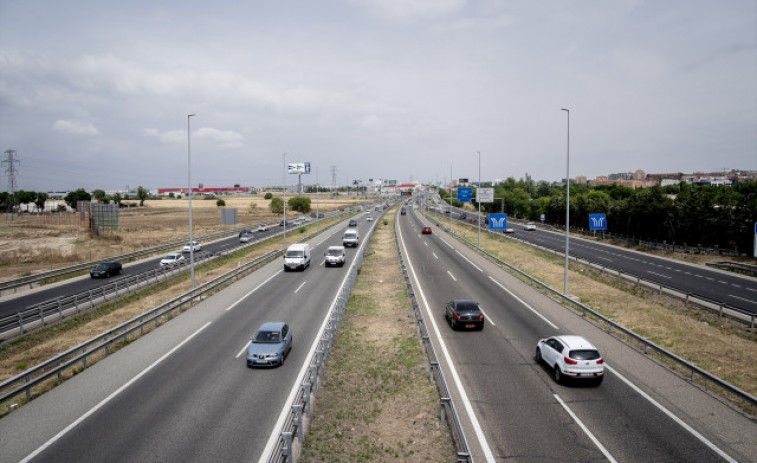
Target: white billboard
<point>298,168</point>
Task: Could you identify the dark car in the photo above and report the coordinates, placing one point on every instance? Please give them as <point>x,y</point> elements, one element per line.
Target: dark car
<point>105,270</point>
<point>270,345</point>
<point>402,211</point>
<point>464,313</point>
<point>244,231</point>
<point>353,223</point>
<point>463,216</point>
<point>426,230</point>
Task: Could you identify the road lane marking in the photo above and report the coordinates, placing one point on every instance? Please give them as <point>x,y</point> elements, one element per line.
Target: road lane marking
<point>524,303</point>
<point>673,417</point>
<point>434,254</point>
<point>451,275</point>
<point>445,242</point>
<point>742,298</point>
<point>660,275</point>
<point>252,291</point>
<point>300,287</point>
<point>455,376</point>
<point>585,429</point>
<point>244,349</point>
<point>486,316</point>
<point>105,401</point>
<point>469,261</point>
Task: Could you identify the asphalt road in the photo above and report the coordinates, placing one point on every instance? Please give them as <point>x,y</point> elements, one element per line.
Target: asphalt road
<point>715,285</point>
<point>184,392</point>
<point>513,410</point>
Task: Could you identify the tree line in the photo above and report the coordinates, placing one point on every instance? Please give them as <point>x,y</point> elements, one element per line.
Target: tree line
<point>10,202</point>
<point>683,214</point>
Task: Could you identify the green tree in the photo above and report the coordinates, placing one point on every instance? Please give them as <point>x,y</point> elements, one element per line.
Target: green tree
<point>277,205</point>
<point>117,198</point>
<point>39,201</point>
<point>75,196</point>
<point>98,194</point>
<point>142,195</point>
<point>268,195</point>
<point>299,204</point>
<point>26,197</point>
<point>221,203</point>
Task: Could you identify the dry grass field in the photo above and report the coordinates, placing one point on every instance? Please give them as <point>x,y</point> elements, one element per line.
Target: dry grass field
<point>36,242</point>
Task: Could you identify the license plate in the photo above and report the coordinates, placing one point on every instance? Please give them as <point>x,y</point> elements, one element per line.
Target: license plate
<point>470,325</point>
<point>261,361</point>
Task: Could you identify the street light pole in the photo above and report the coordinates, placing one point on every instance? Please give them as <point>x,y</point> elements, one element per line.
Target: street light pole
<point>478,200</point>
<point>567,206</point>
<point>189,192</point>
<point>283,179</point>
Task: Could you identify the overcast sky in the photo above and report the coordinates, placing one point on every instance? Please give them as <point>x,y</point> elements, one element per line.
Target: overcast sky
<point>96,94</point>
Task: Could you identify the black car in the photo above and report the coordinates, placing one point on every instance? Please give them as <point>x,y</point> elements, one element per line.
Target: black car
<point>353,223</point>
<point>105,270</point>
<point>464,313</point>
<point>244,231</point>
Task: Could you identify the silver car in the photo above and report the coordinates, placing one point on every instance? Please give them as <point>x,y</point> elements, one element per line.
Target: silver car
<point>270,345</point>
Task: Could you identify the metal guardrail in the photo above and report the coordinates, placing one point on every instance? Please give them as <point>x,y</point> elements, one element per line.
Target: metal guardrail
<point>43,277</point>
<point>646,343</point>
<point>447,410</point>
<point>736,267</point>
<point>722,308</point>
<point>101,345</point>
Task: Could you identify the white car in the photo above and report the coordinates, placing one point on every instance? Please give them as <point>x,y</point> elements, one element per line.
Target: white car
<point>173,259</point>
<point>571,357</point>
<point>188,247</point>
<point>263,227</point>
<point>335,256</point>
<point>246,238</point>
<point>369,219</point>
<point>509,230</point>
<point>529,226</point>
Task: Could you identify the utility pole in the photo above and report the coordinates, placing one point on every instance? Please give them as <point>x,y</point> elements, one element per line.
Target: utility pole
<point>10,169</point>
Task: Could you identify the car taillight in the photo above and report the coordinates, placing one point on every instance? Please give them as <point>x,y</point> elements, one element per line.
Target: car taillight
<point>570,361</point>
<point>600,361</point>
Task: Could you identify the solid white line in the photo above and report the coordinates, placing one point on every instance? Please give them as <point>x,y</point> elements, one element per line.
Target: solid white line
<point>451,275</point>
<point>445,242</point>
<point>469,261</point>
<point>672,416</point>
<point>434,254</point>
<point>252,291</point>
<point>742,298</point>
<point>585,429</point>
<point>524,303</point>
<point>455,376</point>
<point>110,397</point>
<point>300,287</point>
<point>660,275</point>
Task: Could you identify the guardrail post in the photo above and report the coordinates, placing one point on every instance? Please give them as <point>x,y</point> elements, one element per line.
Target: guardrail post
<point>720,312</point>
<point>287,436</point>
<point>41,314</point>
<point>432,365</point>
<point>443,401</point>
<point>314,378</point>
<point>306,397</point>
<point>20,322</point>
<point>105,297</point>
<point>90,299</point>
<point>298,413</point>
<point>115,285</point>
<point>60,309</point>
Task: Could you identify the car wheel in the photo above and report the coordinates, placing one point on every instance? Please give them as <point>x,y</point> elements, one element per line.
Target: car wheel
<point>538,355</point>
<point>557,374</point>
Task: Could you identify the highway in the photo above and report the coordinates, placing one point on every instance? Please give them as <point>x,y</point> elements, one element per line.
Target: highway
<point>735,290</point>
<point>183,392</point>
<point>514,411</point>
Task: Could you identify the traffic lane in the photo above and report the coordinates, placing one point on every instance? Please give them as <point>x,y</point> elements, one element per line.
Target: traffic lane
<point>205,403</point>
<point>716,422</point>
<point>508,399</point>
<point>485,359</point>
<point>76,396</point>
<point>735,290</point>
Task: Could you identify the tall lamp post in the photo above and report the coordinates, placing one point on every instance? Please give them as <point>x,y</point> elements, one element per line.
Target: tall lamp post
<point>478,200</point>
<point>189,192</point>
<point>567,206</point>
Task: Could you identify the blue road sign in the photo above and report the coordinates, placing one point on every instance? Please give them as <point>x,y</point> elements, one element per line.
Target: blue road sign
<point>543,218</point>
<point>465,195</point>
<point>497,221</point>
<point>597,222</point>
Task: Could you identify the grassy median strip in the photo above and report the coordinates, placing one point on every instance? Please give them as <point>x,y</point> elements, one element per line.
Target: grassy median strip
<point>376,403</point>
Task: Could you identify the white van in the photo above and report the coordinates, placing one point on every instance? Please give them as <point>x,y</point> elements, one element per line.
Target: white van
<point>351,237</point>
<point>297,257</point>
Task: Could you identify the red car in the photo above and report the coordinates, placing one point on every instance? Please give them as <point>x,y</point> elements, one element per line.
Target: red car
<point>426,230</point>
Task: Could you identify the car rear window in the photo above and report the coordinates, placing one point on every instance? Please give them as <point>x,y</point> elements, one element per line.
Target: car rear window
<point>584,354</point>
<point>468,307</point>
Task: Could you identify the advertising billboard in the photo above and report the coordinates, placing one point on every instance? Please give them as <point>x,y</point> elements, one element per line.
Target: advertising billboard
<point>298,168</point>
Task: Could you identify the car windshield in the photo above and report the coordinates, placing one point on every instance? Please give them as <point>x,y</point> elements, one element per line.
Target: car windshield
<point>335,252</point>
<point>170,257</point>
<point>584,354</point>
<point>294,254</point>
<point>267,336</point>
